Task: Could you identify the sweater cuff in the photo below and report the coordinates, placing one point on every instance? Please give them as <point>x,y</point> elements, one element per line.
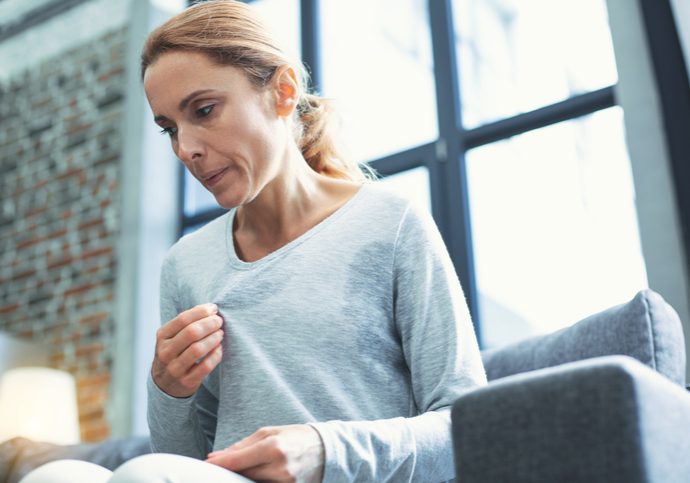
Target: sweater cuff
<point>335,457</point>
<point>160,400</point>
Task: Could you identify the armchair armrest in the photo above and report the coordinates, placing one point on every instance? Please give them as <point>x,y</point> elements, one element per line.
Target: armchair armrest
<point>607,419</point>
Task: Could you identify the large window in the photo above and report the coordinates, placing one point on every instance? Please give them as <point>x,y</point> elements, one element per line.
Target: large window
<point>499,117</point>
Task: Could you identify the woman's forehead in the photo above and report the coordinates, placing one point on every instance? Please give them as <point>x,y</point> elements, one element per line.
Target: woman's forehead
<point>176,74</point>
<point>176,66</point>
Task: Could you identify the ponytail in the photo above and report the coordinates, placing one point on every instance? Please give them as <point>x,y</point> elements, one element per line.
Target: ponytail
<point>317,139</point>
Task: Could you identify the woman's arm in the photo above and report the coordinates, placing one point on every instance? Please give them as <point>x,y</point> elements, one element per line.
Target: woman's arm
<point>184,426</point>
<point>442,354</point>
<point>181,425</point>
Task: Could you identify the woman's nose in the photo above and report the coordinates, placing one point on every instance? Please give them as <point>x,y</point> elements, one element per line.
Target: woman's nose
<point>189,148</point>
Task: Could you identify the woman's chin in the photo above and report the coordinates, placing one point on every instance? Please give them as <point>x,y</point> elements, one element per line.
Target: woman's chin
<point>227,201</point>
<point>227,205</point>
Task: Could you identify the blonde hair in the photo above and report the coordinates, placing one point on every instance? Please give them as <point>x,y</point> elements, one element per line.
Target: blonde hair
<point>230,33</point>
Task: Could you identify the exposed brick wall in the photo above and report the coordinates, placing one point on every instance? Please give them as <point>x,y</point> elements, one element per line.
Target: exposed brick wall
<point>60,146</point>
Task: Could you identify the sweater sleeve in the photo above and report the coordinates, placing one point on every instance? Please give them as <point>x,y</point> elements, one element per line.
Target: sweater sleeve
<point>442,354</point>
<point>171,420</point>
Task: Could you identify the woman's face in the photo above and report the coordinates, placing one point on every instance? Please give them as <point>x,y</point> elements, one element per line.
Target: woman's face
<point>228,134</point>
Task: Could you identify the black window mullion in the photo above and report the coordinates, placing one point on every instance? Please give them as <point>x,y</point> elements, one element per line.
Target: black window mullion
<point>204,216</point>
<point>673,87</point>
<point>311,51</point>
<point>448,169</point>
<point>405,160</point>
<point>561,111</point>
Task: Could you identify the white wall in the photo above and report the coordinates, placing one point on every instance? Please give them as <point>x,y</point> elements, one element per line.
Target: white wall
<point>657,211</point>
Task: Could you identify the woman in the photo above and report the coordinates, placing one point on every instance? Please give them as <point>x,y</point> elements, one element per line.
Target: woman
<point>317,331</point>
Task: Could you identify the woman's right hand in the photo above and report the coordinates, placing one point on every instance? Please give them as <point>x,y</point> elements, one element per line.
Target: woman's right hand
<point>188,348</point>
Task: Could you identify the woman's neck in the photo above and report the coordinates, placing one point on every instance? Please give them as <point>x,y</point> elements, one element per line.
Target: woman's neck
<point>290,205</point>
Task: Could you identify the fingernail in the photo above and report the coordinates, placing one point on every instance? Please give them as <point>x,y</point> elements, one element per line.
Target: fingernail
<point>213,308</point>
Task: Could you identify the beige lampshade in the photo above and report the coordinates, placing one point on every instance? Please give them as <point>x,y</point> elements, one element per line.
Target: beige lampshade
<point>39,403</point>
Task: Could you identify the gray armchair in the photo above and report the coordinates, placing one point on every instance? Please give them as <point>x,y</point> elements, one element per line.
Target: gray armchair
<point>600,401</point>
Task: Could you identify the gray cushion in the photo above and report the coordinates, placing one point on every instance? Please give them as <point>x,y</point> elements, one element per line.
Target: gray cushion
<point>18,456</point>
<point>646,328</point>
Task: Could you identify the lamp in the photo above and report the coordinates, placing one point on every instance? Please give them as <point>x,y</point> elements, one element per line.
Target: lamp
<point>38,403</point>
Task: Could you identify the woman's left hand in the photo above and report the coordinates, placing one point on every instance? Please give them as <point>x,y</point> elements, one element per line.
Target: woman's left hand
<point>292,453</point>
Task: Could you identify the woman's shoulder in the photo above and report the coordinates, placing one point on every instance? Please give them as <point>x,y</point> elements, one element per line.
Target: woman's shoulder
<point>381,198</point>
<point>385,203</point>
<point>209,238</point>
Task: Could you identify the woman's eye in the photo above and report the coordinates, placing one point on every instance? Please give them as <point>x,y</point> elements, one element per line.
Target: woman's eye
<point>170,131</point>
<point>204,111</point>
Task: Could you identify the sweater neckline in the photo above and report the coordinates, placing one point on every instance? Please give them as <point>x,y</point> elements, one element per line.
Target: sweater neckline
<point>238,263</point>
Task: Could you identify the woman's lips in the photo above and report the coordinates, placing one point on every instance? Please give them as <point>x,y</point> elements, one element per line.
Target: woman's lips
<point>215,178</point>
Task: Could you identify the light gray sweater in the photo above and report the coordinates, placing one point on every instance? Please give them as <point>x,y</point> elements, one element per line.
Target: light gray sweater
<point>359,327</point>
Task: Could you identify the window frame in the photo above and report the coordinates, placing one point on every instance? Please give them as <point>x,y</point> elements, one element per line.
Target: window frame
<point>445,158</point>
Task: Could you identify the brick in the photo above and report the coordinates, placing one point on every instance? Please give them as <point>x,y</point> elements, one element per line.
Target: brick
<point>24,274</point>
<point>89,412</point>
<point>36,211</point>
<point>79,289</point>
<point>94,433</point>
<point>90,224</point>
<point>62,339</point>
<point>28,243</point>
<point>93,380</point>
<point>97,253</point>
<point>94,318</point>
<point>59,263</point>
<point>59,172</point>
<point>8,309</point>
<point>111,73</point>
<point>107,159</point>
<point>87,398</point>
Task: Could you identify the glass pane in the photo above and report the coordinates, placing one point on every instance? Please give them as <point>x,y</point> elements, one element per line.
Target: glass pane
<point>412,184</point>
<point>554,226</point>
<point>196,197</point>
<point>518,55</point>
<point>378,67</point>
<point>283,18</point>
<point>191,229</point>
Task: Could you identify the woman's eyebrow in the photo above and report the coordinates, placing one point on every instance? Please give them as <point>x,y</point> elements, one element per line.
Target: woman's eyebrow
<point>183,104</point>
<point>185,101</point>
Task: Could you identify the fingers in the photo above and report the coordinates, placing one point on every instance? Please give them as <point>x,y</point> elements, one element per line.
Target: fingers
<point>205,366</point>
<point>197,340</point>
<point>193,340</point>
<point>184,384</point>
<point>260,453</point>
<point>188,348</point>
<point>173,327</point>
<point>267,472</point>
<point>195,352</point>
<point>254,438</point>
<point>278,453</point>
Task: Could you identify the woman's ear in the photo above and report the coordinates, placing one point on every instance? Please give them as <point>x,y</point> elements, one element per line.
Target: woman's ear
<point>286,91</point>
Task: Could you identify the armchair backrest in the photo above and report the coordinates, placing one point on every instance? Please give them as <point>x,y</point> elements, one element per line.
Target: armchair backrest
<point>646,328</point>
